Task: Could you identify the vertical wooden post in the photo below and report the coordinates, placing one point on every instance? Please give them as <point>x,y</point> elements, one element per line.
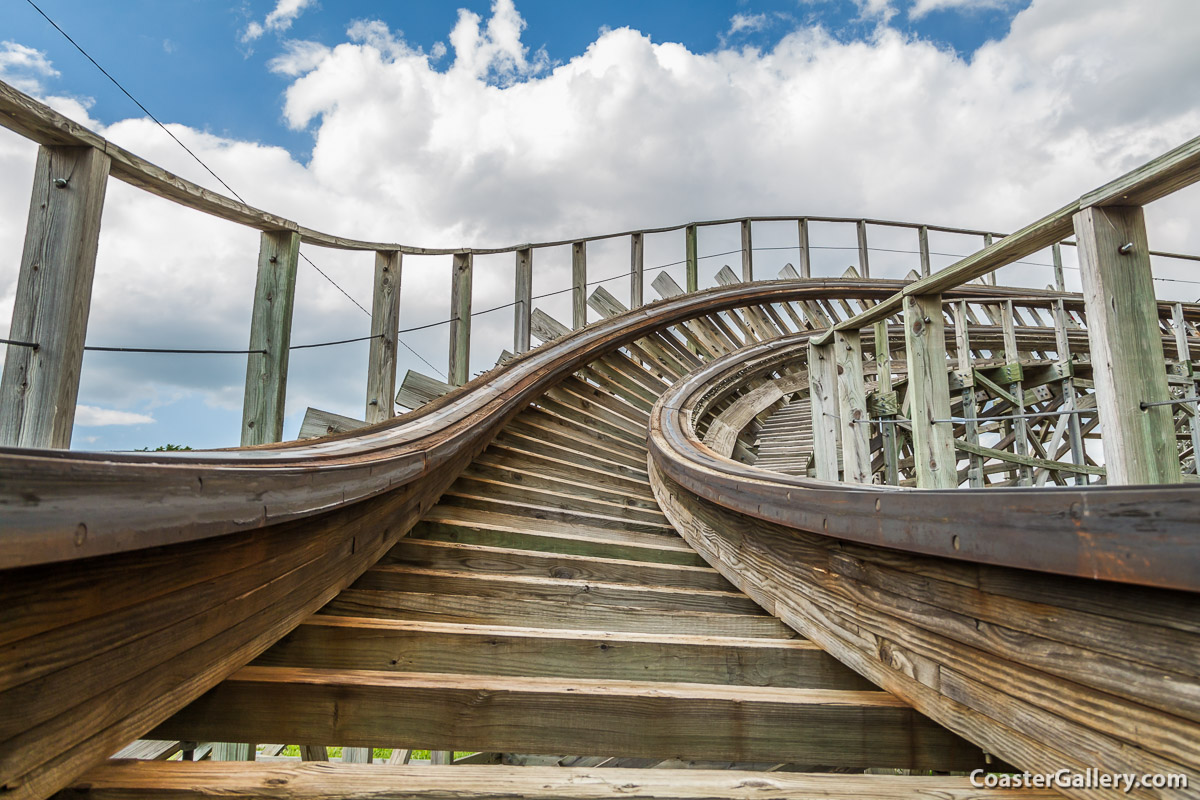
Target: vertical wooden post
<point>823,396</point>
<point>929,388</point>
<point>852,407</point>
<point>40,386</point>
<point>232,751</point>
<point>356,755</point>
<point>883,373</point>
<point>385,321</point>
<point>523,310</point>
<point>1021,426</point>
<point>805,251</point>
<point>923,246</point>
<point>864,263</point>
<point>579,284</point>
<point>747,252</point>
<point>441,757</point>
<point>460,319</point>
<point>966,371</point>
<point>636,265</point>
<point>270,331</point>
<point>991,278</point>
<point>1184,351</point>
<point>1059,282</point>
<point>1063,346</point>
<point>1126,346</point>
<point>693,259</point>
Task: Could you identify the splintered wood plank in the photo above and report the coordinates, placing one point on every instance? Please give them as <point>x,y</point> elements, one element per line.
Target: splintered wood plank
<point>620,718</point>
<point>284,781</point>
<point>509,561</point>
<point>562,590</point>
<point>327,642</point>
<point>534,612</point>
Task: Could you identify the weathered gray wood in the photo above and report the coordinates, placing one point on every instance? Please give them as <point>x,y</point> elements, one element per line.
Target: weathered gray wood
<point>578,284</point>
<point>823,391</point>
<point>460,319</point>
<point>852,407</point>
<point>637,255</point>
<point>970,408</point>
<point>385,321</point>
<point>1056,255</point>
<point>883,374</point>
<point>153,749</point>
<point>747,252</point>
<point>313,752</point>
<point>1020,426</point>
<point>322,423</point>
<point>1062,346</point>
<point>1183,351</point>
<point>270,330</point>
<point>692,258</point>
<point>923,248</point>
<point>864,261</point>
<point>356,755</point>
<point>524,300</point>
<point>929,388</point>
<point>545,327</point>
<point>1126,346</point>
<point>53,298</point>
<point>805,251</point>
<point>416,389</point>
<point>232,751</point>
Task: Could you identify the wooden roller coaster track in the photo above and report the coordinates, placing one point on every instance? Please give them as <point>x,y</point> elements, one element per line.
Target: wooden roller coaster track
<point>840,538</point>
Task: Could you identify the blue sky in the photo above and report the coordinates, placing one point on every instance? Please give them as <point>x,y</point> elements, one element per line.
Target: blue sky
<point>185,61</point>
<point>484,123</point>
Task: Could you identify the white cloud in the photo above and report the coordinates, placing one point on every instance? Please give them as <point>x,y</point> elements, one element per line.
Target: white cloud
<point>922,7</point>
<point>499,148</point>
<point>746,23</point>
<point>24,67</point>
<point>94,417</point>
<point>279,19</point>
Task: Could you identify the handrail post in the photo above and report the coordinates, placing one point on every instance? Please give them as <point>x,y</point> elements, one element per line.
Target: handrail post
<point>1126,346</point>
<point>523,309</point>
<point>883,376</point>
<point>40,386</point>
<point>1056,255</point>
<point>929,385</point>
<point>385,322</point>
<point>271,332</point>
<point>578,284</point>
<point>864,261</point>
<point>459,370</point>
<point>692,258</point>
<point>852,407</point>
<point>805,250</point>
<point>923,247</point>
<point>823,399</point>
<point>637,254</point>
<point>747,252</point>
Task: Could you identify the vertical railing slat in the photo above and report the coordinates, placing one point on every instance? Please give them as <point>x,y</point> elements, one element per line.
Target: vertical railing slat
<point>523,295</point>
<point>385,321</point>
<point>459,371</point>
<point>271,331</point>
<point>579,284</point>
<point>747,252</point>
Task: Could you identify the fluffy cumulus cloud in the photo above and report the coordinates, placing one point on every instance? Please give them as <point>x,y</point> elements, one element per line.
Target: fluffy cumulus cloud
<point>94,417</point>
<point>24,67</point>
<point>279,19</point>
<point>493,146</point>
<point>922,7</point>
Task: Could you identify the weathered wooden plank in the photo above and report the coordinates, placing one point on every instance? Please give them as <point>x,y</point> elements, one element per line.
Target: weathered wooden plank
<point>966,373</point>
<point>342,643</point>
<point>929,387</point>
<point>385,321</point>
<point>416,389</point>
<point>232,751</point>
<point>53,297</point>
<point>459,370</point>
<point>923,249</point>
<point>546,328</point>
<point>883,376</point>
<point>1126,346</point>
<point>578,284</point>
<point>747,252</point>
<point>864,261</point>
<point>805,251</point>
<point>323,423</point>
<point>823,393</point>
<point>271,333</point>
<point>691,257</point>
<point>198,781</point>
<point>636,269</point>
<point>523,295</point>
<point>852,407</point>
<point>621,718</point>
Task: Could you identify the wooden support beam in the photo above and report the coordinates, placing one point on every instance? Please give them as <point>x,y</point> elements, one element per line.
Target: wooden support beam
<point>1184,352</point>
<point>1126,346</point>
<point>542,715</point>
<point>356,755</point>
<point>523,296</point>
<point>883,372</point>
<point>460,319</point>
<point>929,388</point>
<point>636,267</point>
<point>852,407</point>
<point>747,252</point>
<point>923,247</point>
<point>578,284</point>
<point>417,389</point>
<point>1020,426</point>
<point>864,261</point>
<point>692,258</point>
<point>385,321</point>
<point>40,385</point>
<point>970,407</point>
<point>271,331</point>
<point>1056,255</point>
<point>823,392</point>
<point>232,751</point>
<point>323,423</point>
<point>805,250</point>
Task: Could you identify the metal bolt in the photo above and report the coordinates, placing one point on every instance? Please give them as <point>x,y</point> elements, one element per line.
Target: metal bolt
<point>1125,249</point>
<point>61,183</point>
<point>273,259</point>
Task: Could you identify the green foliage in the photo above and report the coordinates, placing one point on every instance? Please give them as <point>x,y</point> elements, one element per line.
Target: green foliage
<point>164,448</point>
